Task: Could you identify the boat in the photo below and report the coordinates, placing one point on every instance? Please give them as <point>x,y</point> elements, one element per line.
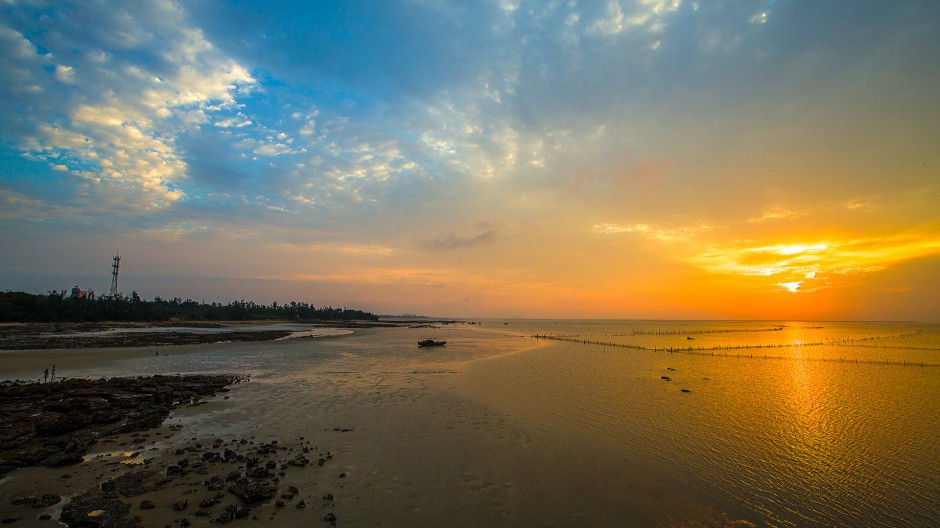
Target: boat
<point>431,342</point>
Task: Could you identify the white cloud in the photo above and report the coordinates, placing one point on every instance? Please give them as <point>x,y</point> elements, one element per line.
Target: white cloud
<point>65,74</point>
<point>141,78</point>
<point>661,233</point>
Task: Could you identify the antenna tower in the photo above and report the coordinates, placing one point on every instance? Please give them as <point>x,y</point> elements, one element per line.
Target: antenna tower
<point>114,275</point>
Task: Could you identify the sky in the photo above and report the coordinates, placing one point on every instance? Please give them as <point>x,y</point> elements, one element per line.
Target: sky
<point>685,159</point>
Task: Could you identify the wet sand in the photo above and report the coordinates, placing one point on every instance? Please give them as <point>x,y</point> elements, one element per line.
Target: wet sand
<point>410,444</point>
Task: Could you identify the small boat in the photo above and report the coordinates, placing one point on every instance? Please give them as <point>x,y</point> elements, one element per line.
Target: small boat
<point>431,342</point>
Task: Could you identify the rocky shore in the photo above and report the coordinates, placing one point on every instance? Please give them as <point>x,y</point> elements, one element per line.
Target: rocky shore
<point>74,336</point>
<point>148,479</point>
<point>216,483</point>
<point>54,424</point>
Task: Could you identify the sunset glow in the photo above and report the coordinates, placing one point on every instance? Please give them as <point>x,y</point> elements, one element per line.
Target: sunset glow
<point>612,159</point>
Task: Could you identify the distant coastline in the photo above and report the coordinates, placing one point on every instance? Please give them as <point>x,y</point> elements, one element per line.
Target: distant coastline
<point>80,306</point>
<point>70,336</point>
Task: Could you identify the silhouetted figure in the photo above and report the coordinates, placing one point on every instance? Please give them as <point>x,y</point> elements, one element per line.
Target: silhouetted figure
<point>53,372</point>
<point>45,376</point>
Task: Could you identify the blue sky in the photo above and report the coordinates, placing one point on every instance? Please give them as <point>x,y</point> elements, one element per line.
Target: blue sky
<point>475,158</point>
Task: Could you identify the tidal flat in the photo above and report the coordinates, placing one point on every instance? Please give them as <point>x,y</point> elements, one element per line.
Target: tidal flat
<point>501,428</point>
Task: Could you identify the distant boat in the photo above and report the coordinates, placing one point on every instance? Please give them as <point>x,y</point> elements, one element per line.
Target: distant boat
<point>431,342</point>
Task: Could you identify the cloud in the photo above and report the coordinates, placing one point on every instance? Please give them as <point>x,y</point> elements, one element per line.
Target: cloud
<point>140,78</point>
<point>15,206</point>
<point>819,260</point>
<point>661,233</point>
<point>453,241</point>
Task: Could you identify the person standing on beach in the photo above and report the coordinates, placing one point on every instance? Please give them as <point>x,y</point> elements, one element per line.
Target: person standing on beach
<point>45,376</point>
<point>53,372</point>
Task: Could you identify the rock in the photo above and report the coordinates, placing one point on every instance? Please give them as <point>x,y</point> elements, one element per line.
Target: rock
<point>215,483</point>
<point>249,491</point>
<point>147,505</point>
<point>45,517</point>
<point>260,472</point>
<point>173,470</point>
<point>301,505</point>
<point>37,418</point>
<point>180,505</point>
<point>330,518</point>
<point>131,484</point>
<point>96,510</point>
<point>63,459</point>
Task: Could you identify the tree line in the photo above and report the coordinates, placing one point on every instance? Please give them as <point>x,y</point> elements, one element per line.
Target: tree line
<point>77,306</point>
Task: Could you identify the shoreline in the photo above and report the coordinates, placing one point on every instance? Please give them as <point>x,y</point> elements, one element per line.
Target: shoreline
<point>22,337</point>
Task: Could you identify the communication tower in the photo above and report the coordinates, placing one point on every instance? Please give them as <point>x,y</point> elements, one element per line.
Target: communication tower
<point>114,275</point>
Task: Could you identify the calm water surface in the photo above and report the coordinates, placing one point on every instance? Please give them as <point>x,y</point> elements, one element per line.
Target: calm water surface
<point>835,428</point>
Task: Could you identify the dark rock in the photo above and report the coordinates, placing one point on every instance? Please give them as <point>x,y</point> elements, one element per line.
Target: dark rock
<point>131,484</point>
<point>53,424</point>
<point>180,505</point>
<point>63,459</point>
<point>147,505</point>
<point>45,517</point>
<point>227,516</point>
<point>279,503</point>
<point>301,505</point>
<point>215,483</point>
<point>328,497</point>
<point>330,518</point>
<point>251,491</point>
<point>108,510</point>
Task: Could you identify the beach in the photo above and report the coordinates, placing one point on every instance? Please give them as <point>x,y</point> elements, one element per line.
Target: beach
<point>499,428</point>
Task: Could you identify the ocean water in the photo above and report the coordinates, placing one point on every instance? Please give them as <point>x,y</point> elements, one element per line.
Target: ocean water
<point>783,424</point>
<point>611,423</point>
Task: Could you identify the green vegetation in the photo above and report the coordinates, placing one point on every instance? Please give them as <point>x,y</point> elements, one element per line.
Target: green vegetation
<point>80,306</point>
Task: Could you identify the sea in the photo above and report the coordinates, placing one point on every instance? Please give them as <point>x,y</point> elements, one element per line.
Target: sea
<point>652,423</point>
